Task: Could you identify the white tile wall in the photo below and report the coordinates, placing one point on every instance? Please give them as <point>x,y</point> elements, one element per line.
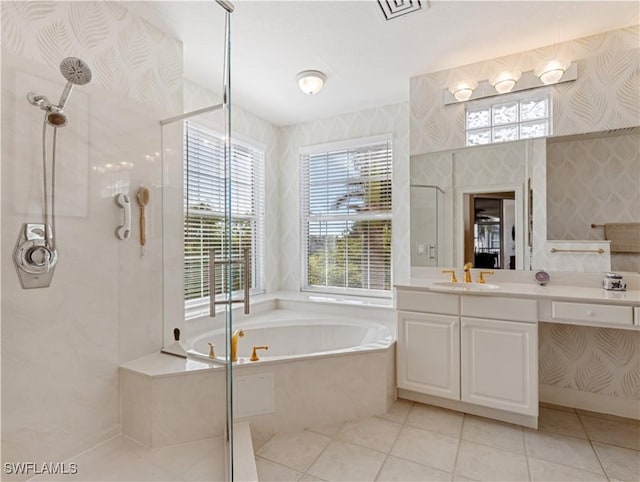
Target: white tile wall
<point>61,346</point>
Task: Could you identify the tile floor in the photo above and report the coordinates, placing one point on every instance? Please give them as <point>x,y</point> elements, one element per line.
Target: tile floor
<point>416,442</point>
<point>413,442</point>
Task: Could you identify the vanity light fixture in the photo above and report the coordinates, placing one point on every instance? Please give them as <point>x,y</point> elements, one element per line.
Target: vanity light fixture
<point>551,72</point>
<point>311,81</point>
<point>505,81</point>
<point>463,91</point>
<point>556,71</point>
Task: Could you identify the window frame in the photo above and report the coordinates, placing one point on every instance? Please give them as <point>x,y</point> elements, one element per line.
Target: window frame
<point>304,217</point>
<point>195,308</point>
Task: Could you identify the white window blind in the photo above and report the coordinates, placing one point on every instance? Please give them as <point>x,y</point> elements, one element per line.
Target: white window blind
<point>204,204</point>
<point>346,217</point>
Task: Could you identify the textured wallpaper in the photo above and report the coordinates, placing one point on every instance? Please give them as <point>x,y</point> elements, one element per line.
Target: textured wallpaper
<point>128,55</point>
<point>604,174</point>
<point>598,360</point>
<point>605,95</point>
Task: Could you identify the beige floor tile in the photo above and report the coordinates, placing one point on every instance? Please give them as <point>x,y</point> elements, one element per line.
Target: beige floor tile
<point>426,447</point>
<point>557,407</point>
<point>330,430</point>
<point>497,434</point>
<point>342,461</point>
<point>296,450</point>
<point>209,469</point>
<point>271,472</point>
<point>399,411</point>
<point>179,459</point>
<point>310,478</point>
<point>561,449</point>
<point>461,478</point>
<point>482,462</point>
<point>560,421</point>
<point>619,463</point>
<point>395,469</point>
<point>435,419</point>
<point>373,433</point>
<point>543,471</point>
<point>613,432</point>
<point>258,439</point>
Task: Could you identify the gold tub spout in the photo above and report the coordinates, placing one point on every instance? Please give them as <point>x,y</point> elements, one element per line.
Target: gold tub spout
<point>234,344</point>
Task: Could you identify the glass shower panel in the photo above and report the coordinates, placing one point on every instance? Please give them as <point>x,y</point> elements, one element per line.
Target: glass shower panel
<point>426,216</point>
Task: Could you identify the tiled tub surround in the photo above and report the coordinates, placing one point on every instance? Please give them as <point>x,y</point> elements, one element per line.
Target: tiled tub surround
<point>168,400</point>
<point>589,350</point>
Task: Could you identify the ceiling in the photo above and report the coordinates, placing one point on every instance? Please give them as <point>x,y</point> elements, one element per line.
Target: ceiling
<point>368,60</point>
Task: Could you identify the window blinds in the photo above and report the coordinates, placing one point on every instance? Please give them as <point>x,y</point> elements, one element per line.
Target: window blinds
<point>346,217</point>
<point>205,185</point>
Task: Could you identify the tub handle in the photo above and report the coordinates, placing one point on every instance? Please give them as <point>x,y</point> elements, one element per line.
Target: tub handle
<point>254,353</point>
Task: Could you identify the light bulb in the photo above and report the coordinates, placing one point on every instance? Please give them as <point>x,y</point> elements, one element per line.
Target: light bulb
<point>505,81</point>
<point>551,72</point>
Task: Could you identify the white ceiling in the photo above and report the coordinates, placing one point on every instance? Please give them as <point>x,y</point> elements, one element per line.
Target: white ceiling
<point>368,60</point>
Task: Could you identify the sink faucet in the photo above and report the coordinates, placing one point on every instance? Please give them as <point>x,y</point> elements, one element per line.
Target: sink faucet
<point>467,271</point>
<point>234,344</point>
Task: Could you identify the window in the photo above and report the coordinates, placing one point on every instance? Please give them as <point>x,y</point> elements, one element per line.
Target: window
<point>521,118</point>
<point>204,208</point>
<point>346,216</point>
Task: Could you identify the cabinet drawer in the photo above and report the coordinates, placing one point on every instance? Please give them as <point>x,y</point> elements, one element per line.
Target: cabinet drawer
<point>614,315</point>
<point>510,309</point>
<point>430,302</point>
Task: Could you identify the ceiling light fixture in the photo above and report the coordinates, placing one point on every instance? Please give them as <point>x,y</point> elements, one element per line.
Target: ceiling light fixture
<point>311,81</point>
<point>463,91</point>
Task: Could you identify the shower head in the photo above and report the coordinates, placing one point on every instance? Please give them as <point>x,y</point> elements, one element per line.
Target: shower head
<point>77,72</point>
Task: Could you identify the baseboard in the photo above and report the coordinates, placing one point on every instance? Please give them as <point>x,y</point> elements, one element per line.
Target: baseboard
<point>594,402</point>
<point>530,421</point>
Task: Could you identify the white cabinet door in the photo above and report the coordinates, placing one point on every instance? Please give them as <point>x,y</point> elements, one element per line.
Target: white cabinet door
<point>429,354</point>
<point>500,364</point>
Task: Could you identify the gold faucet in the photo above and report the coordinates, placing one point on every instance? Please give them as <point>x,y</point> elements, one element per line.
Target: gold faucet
<point>481,277</point>
<point>467,271</point>
<point>234,344</point>
<point>453,275</point>
<point>254,354</point>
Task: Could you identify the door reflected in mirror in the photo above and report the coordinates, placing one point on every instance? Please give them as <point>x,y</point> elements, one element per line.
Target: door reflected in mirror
<point>490,229</point>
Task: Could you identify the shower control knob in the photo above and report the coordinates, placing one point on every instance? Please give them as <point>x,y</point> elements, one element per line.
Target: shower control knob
<point>39,255</point>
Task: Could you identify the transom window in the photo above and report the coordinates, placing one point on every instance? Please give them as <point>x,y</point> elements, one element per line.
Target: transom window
<point>522,118</point>
<point>204,209</point>
<point>346,216</point>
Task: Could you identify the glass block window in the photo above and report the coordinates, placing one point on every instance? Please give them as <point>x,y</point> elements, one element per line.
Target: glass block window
<point>508,121</point>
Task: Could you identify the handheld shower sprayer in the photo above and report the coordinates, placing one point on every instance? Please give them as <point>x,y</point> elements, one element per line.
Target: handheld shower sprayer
<point>77,72</point>
<point>35,254</point>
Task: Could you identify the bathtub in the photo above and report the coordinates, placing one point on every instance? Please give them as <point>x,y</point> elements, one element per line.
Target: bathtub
<point>292,335</point>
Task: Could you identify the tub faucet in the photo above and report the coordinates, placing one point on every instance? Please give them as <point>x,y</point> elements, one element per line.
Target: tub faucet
<point>234,344</point>
<point>467,271</point>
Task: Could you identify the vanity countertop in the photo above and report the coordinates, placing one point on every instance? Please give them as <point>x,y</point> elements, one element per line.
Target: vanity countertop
<point>530,290</point>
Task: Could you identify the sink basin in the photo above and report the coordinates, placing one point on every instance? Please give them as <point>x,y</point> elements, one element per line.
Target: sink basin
<point>448,285</point>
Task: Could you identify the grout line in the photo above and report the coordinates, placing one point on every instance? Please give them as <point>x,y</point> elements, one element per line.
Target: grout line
<point>390,449</point>
<point>526,453</point>
<point>455,461</point>
<point>593,448</point>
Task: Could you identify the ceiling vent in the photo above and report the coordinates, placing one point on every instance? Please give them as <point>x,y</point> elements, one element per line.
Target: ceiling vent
<point>397,8</point>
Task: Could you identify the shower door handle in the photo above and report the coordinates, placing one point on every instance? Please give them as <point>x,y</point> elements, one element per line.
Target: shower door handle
<point>124,230</point>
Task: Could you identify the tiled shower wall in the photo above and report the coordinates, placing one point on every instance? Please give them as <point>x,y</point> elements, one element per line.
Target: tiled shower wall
<point>61,346</point>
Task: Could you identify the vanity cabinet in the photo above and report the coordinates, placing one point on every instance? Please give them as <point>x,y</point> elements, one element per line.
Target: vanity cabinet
<point>480,350</point>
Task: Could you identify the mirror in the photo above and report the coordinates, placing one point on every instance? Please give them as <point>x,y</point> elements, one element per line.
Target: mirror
<point>560,187</point>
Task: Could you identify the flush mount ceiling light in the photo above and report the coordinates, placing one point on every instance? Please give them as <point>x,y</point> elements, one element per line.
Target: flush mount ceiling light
<point>311,81</point>
<point>551,72</point>
<point>505,81</point>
